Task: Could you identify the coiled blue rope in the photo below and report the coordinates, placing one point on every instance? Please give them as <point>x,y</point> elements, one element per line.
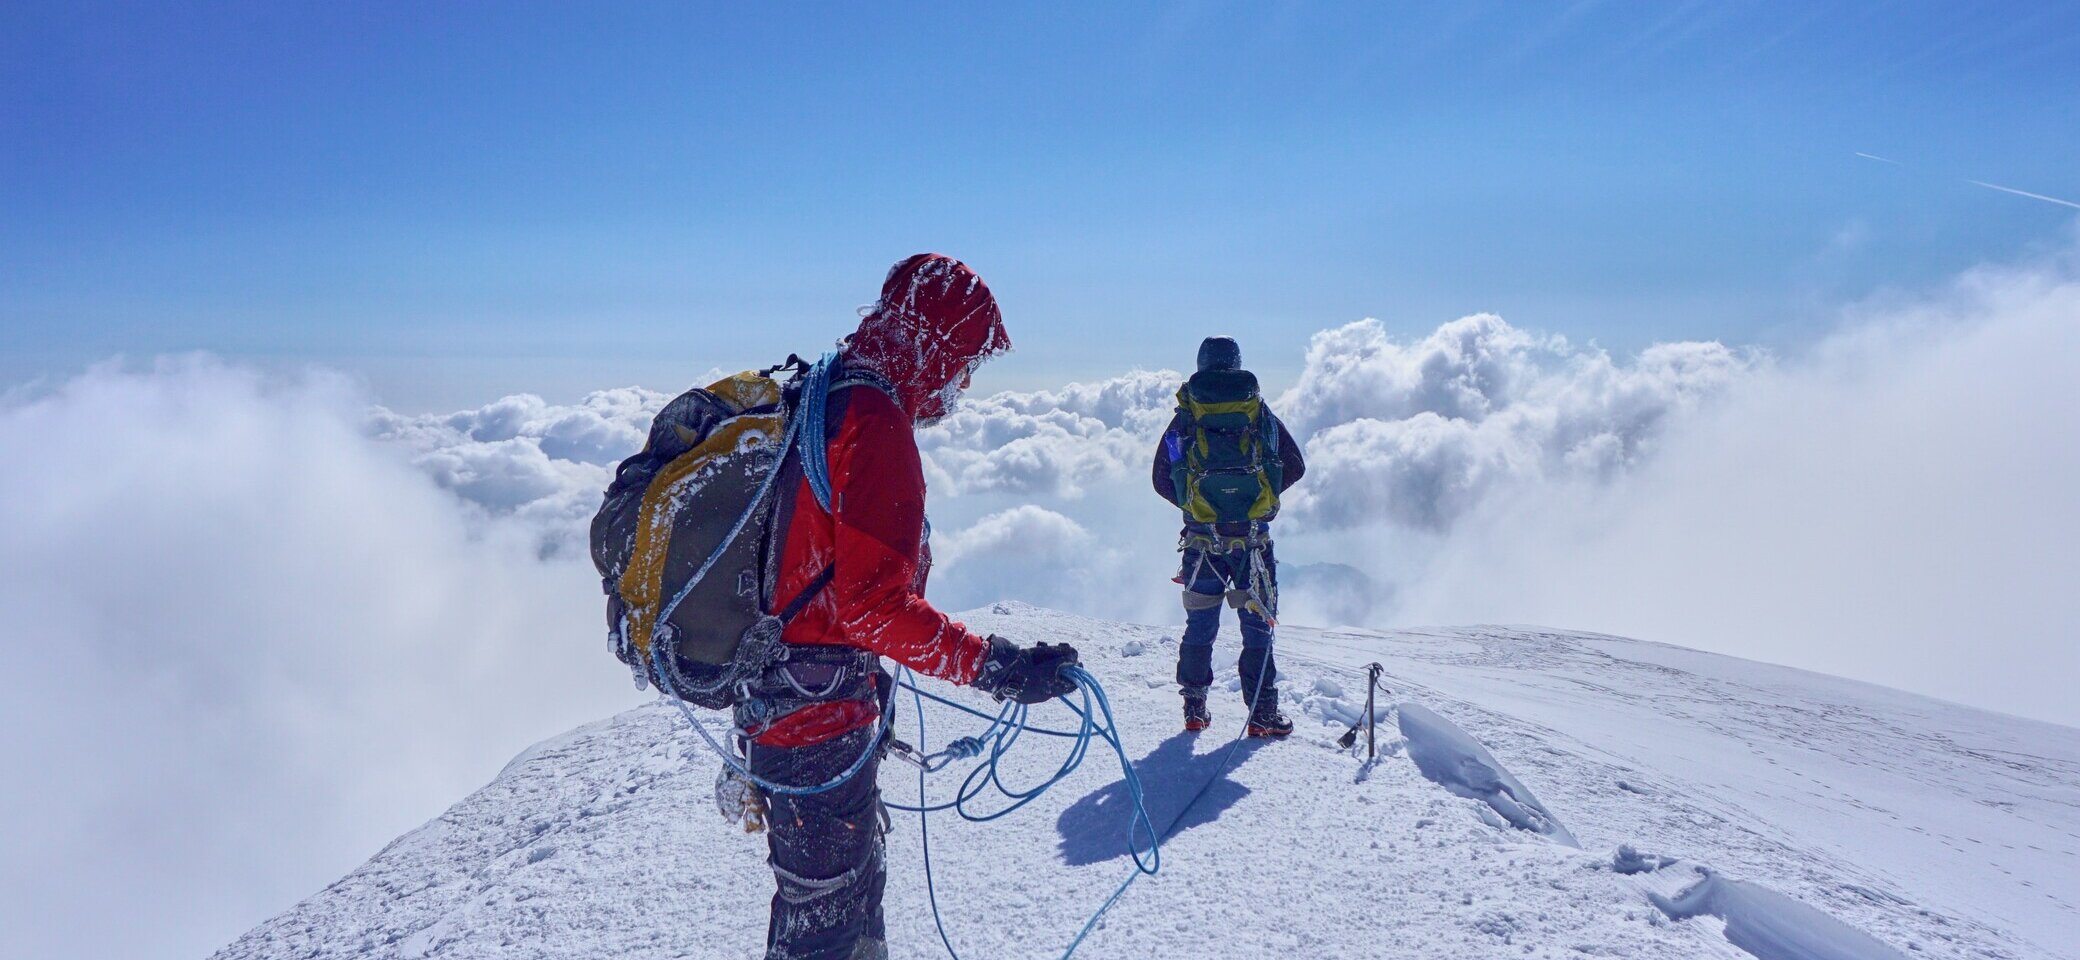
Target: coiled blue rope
<point>1098,723</point>
<point>1227,757</point>
<point>815,397</point>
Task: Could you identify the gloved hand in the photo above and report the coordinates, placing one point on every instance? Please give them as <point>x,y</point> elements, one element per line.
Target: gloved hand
<point>1027,675</point>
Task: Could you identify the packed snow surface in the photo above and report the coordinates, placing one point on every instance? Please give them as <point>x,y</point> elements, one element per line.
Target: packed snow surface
<point>1686,805</point>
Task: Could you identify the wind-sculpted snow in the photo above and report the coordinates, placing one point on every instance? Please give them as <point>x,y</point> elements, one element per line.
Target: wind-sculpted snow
<point>1771,925</point>
<point>604,842</point>
<point>1460,764</point>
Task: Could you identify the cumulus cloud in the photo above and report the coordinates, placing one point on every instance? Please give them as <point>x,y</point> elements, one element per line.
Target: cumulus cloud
<point>524,459</point>
<point>1053,554</point>
<point>1460,473</point>
<point>1119,570</point>
<point>1402,436</point>
<point>1416,434</point>
<point>1060,443</point>
<point>1895,505</point>
<point>247,645</point>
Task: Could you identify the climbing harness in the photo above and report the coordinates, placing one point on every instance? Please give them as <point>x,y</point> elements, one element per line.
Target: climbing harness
<point>1370,719</point>
<point>1258,591</point>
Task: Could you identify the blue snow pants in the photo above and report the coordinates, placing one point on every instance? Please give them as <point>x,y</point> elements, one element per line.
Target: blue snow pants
<point>826,850</point>
<point>1207,577</point>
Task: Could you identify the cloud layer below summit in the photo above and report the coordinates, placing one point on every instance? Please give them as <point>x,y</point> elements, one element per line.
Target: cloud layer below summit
<point>215,576</point>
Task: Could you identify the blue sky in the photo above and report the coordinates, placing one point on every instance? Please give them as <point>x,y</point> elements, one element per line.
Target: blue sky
<point>462,200</point>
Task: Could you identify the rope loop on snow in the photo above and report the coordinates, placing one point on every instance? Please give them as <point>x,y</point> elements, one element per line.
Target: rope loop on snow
<point>1097,723</point>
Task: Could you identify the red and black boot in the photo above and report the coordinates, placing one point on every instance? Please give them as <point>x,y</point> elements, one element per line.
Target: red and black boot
<point>1269,723</point>
<point>1265,720</point>
<point>1196,716</point>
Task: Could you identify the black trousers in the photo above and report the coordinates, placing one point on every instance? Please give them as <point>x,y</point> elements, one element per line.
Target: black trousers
<point>826,850</point>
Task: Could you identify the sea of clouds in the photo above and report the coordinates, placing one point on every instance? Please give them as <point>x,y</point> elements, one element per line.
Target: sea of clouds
<point>1404,439</point>
<point>258,624</point>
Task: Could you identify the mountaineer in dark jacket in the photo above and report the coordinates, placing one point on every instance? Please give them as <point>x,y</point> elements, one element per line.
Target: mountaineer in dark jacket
<point>1224,461</point>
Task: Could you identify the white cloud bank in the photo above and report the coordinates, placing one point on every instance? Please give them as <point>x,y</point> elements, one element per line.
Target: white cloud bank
<point>1897,506</point>
<point>1421,433</point>
<point>245,646</point>
<point>522,458</point>
<point>256,627</point>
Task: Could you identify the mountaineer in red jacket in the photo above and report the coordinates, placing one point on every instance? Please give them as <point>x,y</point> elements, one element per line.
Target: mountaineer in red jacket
<point>862,568</point>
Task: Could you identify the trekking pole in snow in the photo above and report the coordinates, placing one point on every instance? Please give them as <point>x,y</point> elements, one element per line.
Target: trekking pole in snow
<point>1372,672</point>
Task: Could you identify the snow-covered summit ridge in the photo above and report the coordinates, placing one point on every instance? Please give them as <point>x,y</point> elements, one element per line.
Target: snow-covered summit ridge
<point>1722,809</point>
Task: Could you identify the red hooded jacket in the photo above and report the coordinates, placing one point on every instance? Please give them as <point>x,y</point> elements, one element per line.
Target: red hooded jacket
<point>934,323</point>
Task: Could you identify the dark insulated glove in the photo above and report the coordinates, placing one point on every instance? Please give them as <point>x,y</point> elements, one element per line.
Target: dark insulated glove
<point>1028,675</point>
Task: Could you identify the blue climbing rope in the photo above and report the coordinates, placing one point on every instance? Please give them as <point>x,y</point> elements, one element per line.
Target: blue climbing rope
<point>1227,757</point>
<point>816,388</point>
<point>993,744</point>
<point>1098,723</point>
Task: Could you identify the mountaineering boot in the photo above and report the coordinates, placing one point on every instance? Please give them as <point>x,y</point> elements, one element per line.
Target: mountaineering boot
<point>1265,720</point>
<point>1196,716</point>
<point>1269,723</point>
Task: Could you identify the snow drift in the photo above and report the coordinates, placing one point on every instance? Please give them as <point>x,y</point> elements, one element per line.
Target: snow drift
<point>1459,763</point>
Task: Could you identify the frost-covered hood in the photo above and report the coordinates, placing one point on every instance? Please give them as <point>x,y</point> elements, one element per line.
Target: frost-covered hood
<point>935,321</point>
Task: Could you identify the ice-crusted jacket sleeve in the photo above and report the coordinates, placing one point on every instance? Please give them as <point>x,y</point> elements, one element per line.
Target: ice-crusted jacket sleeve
<point>1293,464</point>
<point>877,511</point>
<point>1166,454</point>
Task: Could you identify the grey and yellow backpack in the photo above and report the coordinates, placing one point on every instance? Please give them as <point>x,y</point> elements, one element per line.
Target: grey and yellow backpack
<point>1224,459</point>
<point>683,541</point>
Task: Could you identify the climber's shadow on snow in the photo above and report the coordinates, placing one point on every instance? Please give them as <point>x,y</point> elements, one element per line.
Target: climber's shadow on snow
<point>1094,828</point>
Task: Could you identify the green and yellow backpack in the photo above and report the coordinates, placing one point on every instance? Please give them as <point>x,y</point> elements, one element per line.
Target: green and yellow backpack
<point>1224,460</point>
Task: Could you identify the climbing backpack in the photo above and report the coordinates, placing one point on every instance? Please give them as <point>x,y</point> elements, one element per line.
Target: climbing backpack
<point>1224,458</point>
<point>684,540</point>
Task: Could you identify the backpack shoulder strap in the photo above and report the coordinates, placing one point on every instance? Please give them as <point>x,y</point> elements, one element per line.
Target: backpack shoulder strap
<point>810,406</point>
<point>817,382</point>
<point>812,402</point>
<point>848,377</point>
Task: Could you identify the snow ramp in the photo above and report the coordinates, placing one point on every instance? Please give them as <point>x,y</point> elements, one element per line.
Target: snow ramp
<point>604,842</point>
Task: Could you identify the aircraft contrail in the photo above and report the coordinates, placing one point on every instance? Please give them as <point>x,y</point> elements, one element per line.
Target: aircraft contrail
<point>1982,183</point>
<point>2025,193</point>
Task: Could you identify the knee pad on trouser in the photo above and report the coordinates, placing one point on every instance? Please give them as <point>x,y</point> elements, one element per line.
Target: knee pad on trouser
<point>1202,618</point>
<point>1259,670</point>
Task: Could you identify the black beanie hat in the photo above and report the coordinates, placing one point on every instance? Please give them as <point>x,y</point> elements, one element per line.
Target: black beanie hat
<point>1219,353</point>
